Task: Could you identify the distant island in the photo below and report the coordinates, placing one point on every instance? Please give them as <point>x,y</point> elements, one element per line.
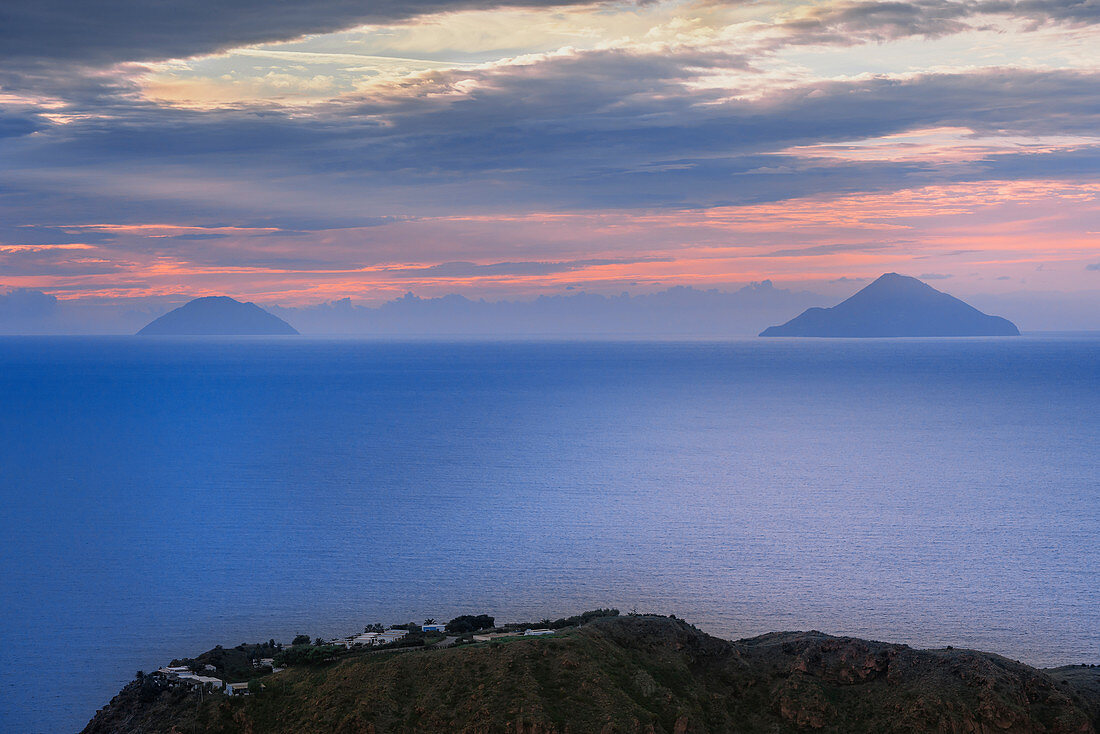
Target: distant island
<point>218,316</point>
<point>896,306</point>
<point>598,672</point>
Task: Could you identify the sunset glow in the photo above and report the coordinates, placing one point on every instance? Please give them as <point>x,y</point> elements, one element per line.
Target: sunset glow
<point>511,152</point>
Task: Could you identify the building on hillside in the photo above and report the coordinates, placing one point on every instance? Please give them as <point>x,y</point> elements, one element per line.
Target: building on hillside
<point>239,689</point>
<point>203,681</point>
<point>433,628</point>
<point>182,675</point>
<point>173,670</point>
<point>489,637</point>
<point>373,638</point>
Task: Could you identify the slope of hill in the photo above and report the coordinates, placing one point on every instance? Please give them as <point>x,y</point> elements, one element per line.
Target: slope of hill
<point>217,315</point>
<point>638,674</point>
<point>896,305</point>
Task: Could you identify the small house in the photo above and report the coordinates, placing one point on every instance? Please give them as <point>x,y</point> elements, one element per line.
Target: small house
<point>238,689</point>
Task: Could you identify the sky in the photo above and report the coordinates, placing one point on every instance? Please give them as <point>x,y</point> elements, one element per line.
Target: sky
<point>296,154</point>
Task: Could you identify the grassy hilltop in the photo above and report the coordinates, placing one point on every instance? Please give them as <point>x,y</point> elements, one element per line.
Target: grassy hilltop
<point>638,674</point>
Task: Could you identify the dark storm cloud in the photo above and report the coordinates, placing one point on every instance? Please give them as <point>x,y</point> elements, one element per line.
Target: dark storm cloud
<point>107,31</point>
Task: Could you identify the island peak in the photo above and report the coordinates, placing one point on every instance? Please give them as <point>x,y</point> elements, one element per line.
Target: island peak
<point>218,316</point>
<point>896,305</point>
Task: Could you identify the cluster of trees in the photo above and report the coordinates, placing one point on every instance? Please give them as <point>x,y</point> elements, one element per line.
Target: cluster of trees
<point>307,654</point>
<point>233,663</point>
<point>583,618</point>
<point>148,686</point>
<point>470,623</point>
<point>415,638</point>
<point>575,621</point>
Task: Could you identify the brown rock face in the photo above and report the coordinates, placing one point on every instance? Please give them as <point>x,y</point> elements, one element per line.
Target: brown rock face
<point>844,660</point>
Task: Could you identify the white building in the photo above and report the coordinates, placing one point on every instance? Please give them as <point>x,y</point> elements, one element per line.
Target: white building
<point>182,674</point>
<point>239,689</point>
<point>374,638</point>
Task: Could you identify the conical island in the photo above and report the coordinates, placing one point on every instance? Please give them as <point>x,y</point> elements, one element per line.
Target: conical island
<point>896,305</point>
<point>218,316</point>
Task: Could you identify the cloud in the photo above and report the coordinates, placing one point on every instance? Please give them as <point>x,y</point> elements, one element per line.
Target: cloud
<point>103,33</point>
<point>1093,266</point>
<point>934,276</point>
<point>57,260</point>
<point>472,270</point>
<point>25,303</point>
<point>685,121</point>
<point>18,124</point>
<point>829,249</point>
<point>585,130</point>
<point>851,23</point>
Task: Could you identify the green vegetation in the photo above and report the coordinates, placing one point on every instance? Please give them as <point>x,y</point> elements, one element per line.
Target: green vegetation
<point>232,664</point>
<point>638,673</point>
<point>307,654</point>
<point>415,638</point>
<point>575,621</point>
<point>470,623</point>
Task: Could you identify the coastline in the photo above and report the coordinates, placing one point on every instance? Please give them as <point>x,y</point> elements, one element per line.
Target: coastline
<point>627,672</point>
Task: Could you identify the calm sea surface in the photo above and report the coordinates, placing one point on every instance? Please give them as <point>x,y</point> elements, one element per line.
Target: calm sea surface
<point>158,497</point>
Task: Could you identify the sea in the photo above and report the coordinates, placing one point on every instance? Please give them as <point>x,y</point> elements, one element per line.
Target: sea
<point>160,496</point>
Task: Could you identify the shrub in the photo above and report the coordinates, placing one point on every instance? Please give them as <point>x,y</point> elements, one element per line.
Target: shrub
<point>470,623</point>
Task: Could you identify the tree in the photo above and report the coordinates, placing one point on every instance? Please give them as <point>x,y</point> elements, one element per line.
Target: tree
<point>301,640</point>
<point>470,623</point>
<point>255,686</point>
<point>429,620</point>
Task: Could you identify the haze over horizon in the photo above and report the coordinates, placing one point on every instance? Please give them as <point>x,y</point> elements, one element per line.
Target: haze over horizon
<point>154,154</point>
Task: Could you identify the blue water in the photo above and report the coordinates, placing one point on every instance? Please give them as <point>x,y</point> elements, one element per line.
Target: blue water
<point>163,496</point>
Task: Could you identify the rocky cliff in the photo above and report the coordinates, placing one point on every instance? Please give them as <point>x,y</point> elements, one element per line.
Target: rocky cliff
<point>639,674</point>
